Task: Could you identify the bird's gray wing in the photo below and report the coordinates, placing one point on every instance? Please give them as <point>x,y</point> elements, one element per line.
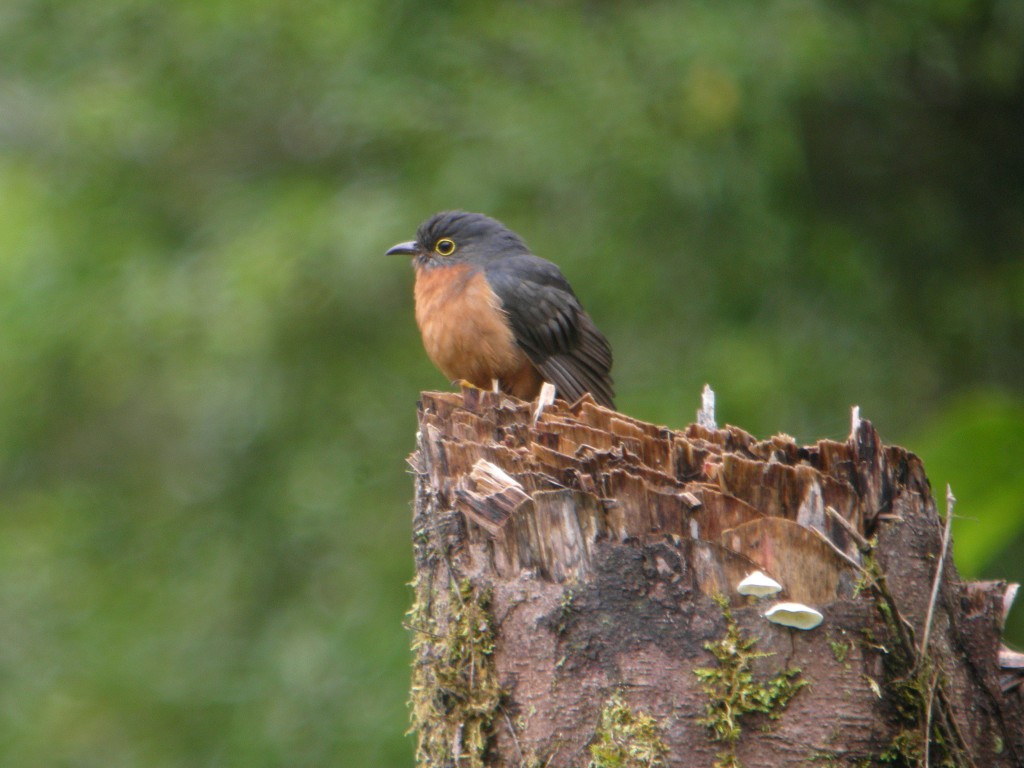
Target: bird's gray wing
<point>552,328</point>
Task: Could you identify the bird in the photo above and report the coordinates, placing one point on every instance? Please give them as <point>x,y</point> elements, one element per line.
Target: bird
<point>491,313</point>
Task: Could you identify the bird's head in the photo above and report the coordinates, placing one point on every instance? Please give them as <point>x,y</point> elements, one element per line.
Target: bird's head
<point>453,237</point>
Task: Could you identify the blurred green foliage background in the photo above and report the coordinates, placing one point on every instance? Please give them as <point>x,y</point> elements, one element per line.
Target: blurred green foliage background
<point>208,370</point>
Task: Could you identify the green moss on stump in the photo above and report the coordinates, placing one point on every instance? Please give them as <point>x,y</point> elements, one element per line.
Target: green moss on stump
<point>455,692</point>
<point>732,691</point>
<point>627,739</point>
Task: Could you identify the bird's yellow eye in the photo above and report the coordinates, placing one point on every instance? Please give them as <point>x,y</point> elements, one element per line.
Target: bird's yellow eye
<point>445,246</point>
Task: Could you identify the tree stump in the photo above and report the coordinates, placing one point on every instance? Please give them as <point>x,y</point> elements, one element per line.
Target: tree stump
<point>576,599</point>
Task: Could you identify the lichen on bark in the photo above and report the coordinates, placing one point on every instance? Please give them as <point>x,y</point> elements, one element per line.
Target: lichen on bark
<point>455,693</point>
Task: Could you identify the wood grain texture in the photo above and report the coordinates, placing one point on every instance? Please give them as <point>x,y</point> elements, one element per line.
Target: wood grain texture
<point>603,542</point>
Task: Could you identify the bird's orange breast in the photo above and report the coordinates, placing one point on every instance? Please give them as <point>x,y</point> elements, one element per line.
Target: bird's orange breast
<point>465,330</point>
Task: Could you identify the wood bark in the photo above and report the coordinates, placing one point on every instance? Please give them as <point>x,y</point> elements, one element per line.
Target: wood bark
<point>576,603</point>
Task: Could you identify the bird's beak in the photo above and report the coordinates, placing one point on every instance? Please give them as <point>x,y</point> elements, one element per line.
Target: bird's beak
<point>404,249</point>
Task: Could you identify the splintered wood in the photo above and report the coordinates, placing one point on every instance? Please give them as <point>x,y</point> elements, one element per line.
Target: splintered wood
<point>609,551</point>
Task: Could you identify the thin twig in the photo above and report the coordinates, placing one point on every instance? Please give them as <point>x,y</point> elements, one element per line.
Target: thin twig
<point>878,582</point>
<point>932,685</point>
<point>512,731</point>
<point>862,544</point>
<point>413,628</point>
<point>951,728</point>
<point>849,560</point>
<point>950,502</point>
<point>904,635</point>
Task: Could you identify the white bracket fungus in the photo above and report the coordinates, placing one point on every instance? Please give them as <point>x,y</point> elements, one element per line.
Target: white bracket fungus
<point>796,615</point>
<point>758,584</point>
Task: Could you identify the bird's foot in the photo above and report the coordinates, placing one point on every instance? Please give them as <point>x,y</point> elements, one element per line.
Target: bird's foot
<point>472,395</point>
